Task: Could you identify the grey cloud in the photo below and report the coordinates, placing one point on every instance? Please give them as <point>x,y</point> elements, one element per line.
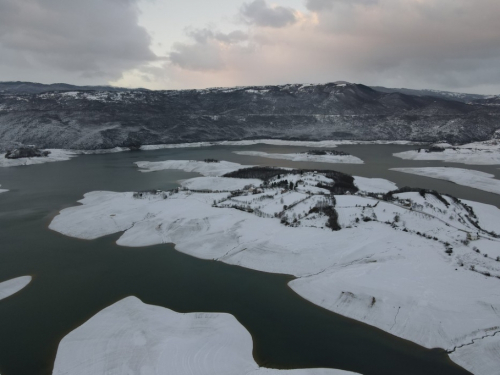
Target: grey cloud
<point>196,57</point>
<point>204,53</point>
<point>91,38</point>
<point>442,44</point>
<point>203,36</point>
<point>232,37</point>
<point>319,5</point>
<point>259,13</point>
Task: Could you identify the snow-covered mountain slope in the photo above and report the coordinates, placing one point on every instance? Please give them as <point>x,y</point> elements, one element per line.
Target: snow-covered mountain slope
<point>449,95</point>
<point>78,119</point>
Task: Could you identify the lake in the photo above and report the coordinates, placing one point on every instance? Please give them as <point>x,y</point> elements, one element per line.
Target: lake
<point>74,279</point>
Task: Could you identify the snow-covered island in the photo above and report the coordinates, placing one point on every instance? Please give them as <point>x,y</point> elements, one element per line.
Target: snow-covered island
<point>466,177</point>
<point>322,156</point>
<point>12,286</point>
<point>479,153</point>
<point>30,156</point>
<point>418,264</point>
<point>157,340</point>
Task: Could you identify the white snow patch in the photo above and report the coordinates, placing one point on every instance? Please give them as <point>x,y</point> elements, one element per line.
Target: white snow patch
<point>345,159</point>
<point>204,168</point>
<point>3,190</point>
<point>374,185</point>
<point>9,287</point>
<point>131,337</point>
<point>466,177</point>
<point>72,94</point>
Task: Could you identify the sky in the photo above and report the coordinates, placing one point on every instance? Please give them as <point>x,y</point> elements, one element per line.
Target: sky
<point>170,44</point>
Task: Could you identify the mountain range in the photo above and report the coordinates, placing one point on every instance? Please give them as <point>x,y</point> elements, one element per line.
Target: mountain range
<point>96,117</point>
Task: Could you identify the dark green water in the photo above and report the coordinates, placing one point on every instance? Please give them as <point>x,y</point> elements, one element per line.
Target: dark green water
<point>74,279</point>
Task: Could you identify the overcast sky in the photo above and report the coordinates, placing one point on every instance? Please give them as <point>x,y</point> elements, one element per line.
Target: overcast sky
<point>170,44</point>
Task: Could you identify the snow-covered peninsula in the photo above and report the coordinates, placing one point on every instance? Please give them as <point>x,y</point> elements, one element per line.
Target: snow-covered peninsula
<point>330,156</point>
<point>415,263</point>
<point>9,287</point>
<point>466,177</point>
<point>478,153</point>
<point>131,337</point>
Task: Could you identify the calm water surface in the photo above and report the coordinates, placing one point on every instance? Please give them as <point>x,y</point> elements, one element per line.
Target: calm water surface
<point>75,279</point>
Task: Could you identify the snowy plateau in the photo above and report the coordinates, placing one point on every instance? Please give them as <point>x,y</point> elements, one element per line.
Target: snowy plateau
<point>415,263</point>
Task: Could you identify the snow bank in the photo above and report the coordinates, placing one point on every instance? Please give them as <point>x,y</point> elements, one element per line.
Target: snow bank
<point>130,337</point>
<point>374,185</point>
<point>204,168</point>
<point>55,155</point>
<point>9,287</point>
<point>344,159</point>
<point>3,190</point>
<point>479,153</point>
<point>466,177</point>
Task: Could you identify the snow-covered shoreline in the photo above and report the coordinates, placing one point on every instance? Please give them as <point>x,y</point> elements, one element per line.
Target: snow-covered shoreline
<point>56,155</point>
<point>387,266</point>
<point>12,286</point>
<point>131,337</point>
<point>466,177</point>
<point>341,159</point>
<point>478,153</point>
<point>279,142</point>
<point>66,154</point>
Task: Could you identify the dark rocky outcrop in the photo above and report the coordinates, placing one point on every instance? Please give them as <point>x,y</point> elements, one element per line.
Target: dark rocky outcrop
<point>26,152</point>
